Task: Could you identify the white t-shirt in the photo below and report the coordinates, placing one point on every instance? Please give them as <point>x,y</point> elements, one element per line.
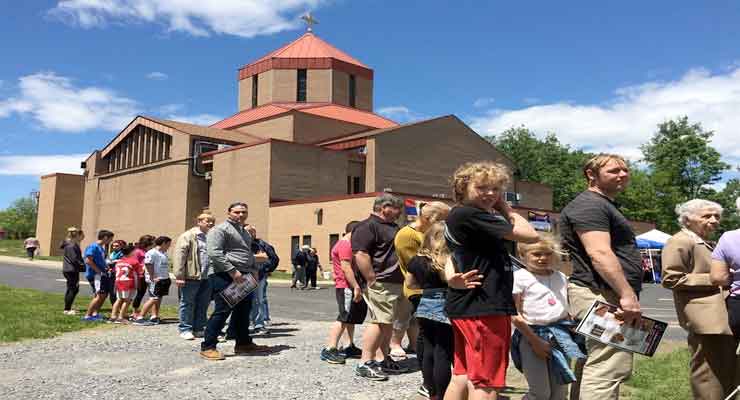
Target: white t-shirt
<point>160,264</point>
<point>544,297</point>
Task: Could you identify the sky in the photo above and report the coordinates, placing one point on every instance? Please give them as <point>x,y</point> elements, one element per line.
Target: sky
<point>600,75</point>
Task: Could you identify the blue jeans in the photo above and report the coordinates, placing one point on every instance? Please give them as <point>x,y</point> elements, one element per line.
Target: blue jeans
<point>194,299</point>
<point>258,314</point>
<point>239,314</point>
<point>264,302</point>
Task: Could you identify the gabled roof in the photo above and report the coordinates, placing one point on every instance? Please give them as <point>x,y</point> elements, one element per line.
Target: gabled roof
<point>326,110</point>
<point>364,135</point>
<point>311,46</point>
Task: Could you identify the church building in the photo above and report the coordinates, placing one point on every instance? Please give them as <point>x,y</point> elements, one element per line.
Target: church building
<point>305,151</point>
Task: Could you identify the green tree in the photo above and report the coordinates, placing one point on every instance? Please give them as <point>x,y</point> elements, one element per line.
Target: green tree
<point>544,160</point>
<point>19,220</point>
<point>726,197</point>
<point>638,201</point>
<point>682,163</point>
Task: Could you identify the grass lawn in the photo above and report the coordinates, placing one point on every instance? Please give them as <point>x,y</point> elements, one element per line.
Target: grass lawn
<point>14,248</point>
<point>33,314</point>
<point>662,377</point>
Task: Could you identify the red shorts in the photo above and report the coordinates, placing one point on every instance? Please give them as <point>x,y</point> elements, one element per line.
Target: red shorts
<point>482,349</point>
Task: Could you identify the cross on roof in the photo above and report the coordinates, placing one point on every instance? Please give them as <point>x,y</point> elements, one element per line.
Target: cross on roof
<point>310,21</point>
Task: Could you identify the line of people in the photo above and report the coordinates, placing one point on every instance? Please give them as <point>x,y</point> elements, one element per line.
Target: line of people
<point>453,267</point>
<point>129,272</point>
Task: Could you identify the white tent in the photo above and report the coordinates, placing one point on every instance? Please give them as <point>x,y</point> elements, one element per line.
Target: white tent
<point>650,244</point>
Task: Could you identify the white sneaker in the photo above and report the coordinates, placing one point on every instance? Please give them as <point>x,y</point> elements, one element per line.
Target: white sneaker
<point>199,334</point>
<point>187,335</point>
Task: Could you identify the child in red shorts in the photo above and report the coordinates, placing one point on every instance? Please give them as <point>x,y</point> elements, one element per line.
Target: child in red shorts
<point>127,281</point>
<point>479,274</point>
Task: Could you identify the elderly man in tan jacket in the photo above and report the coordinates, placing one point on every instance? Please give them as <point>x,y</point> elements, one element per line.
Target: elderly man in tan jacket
<point>700,305</point>
<point>190,266</point>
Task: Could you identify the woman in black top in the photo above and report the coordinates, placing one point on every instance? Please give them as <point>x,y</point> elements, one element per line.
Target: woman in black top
<point>426,271</point>
<point>72,265</point>
<point>479,301</point>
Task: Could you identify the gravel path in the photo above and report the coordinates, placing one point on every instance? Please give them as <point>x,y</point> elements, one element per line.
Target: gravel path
<point>153,362</point>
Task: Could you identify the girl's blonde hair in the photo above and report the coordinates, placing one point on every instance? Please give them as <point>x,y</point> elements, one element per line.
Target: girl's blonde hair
<point>485,171</point>
<point>435,211</point>
<point>546,241</point>
<point>434,246</point>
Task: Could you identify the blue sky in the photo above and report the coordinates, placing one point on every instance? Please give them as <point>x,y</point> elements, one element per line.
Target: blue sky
<point>598,74</point>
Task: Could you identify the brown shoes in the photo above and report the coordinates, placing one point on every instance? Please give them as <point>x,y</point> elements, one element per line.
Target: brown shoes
<point>212,355</point>
<point>251,348</point>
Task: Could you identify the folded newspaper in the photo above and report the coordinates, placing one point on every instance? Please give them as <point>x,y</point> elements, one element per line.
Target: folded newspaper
<point>236,292</point>
<point>602,324</point>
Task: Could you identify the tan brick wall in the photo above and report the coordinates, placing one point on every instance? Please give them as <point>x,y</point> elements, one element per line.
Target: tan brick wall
<point>149,201</point>
<point>397,168</point>
<point>300,219</point>
<point>370,163</point>
<point>45,217</point>
<point>242,175</point>
<point>340,87</point>
<point>311,128</point>
<point>533,194</point>
<point>319,85</point>
<point>245,93</point>
<point>279,128</point>
<point>364,95</point>
<point>298,171</point>
<point>285,85</point>
<point>265,91</point>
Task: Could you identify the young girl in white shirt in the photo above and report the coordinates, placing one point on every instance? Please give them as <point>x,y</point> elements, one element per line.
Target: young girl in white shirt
<point>541,299</point>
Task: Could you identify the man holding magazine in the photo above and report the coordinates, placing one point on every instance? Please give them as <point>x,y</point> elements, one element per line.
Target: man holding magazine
<point>231,259</point>
<point>606,267</point>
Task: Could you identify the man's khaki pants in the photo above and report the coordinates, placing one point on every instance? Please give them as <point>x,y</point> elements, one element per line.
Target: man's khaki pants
<point>606,366</point>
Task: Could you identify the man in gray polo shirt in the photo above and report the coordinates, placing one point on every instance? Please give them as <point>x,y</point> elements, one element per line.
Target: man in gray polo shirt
<point>231,258</point>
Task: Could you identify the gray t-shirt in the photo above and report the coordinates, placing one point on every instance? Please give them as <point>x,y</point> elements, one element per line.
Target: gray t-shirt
<point>160,264</point>
<point>591,211</point>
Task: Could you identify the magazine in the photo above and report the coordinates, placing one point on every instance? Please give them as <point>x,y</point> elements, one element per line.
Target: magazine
<point>602,324</point>
<point>236,292</point>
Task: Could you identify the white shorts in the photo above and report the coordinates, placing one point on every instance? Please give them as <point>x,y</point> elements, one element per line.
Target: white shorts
<point>125,294</point>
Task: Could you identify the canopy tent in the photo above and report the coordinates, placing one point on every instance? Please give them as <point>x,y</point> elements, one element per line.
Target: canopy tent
<point>653,239</point>
<point>650,243</point>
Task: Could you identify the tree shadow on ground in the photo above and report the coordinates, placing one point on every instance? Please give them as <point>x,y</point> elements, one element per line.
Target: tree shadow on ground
<point>276,349</point>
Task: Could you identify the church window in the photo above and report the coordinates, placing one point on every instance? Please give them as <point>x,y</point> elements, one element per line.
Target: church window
<point>301,95</point>
<point>352,90</point>
<point>255,88</point>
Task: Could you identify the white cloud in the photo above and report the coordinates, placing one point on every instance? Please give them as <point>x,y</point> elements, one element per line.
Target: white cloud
<point>56,103</point>
<point>197,119</point>
<point>41,165</point>
<point>630,118</point>
<point>157,76</point>
<point>400,114</point>
<point>245,18</point>
<point>483,102</point>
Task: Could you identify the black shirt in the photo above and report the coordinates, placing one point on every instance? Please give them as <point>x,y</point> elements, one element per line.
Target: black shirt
<point>375,236</point>
<point>72,261</point>
<point>591,211</point>
<point>476,239</point>
<point>425,275</point>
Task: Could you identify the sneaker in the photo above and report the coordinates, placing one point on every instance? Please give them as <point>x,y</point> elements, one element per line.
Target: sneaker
<point>370,370</point>
<point>91,318</point>
<point>260,331</point>
<point>212,355</point>
<point>351,351</point>
<point>423,391</point>
<point>187,335</point>
<point>391,367</point>
<point>332,356</point>
<point>98,317</point>
<point>199,334</point>
<point>155,321</point>
<point>409,350</point>
<point>221,338</point>
<point>70,312</point>
<point>141,322</point>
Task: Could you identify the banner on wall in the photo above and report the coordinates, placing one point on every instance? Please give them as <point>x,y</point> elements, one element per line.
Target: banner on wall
<point>540,221</point>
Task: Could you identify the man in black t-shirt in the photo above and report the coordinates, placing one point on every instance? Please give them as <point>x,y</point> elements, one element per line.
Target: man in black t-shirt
<point>606,266</point>
<point>382,281</point>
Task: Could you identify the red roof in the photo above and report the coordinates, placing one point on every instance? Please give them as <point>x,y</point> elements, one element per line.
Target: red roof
<point>310,46</point>
<point>308,51</point>
<point>326,110</point>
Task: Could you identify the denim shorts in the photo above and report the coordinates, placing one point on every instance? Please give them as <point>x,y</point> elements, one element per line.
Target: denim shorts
<point>432,305</point>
